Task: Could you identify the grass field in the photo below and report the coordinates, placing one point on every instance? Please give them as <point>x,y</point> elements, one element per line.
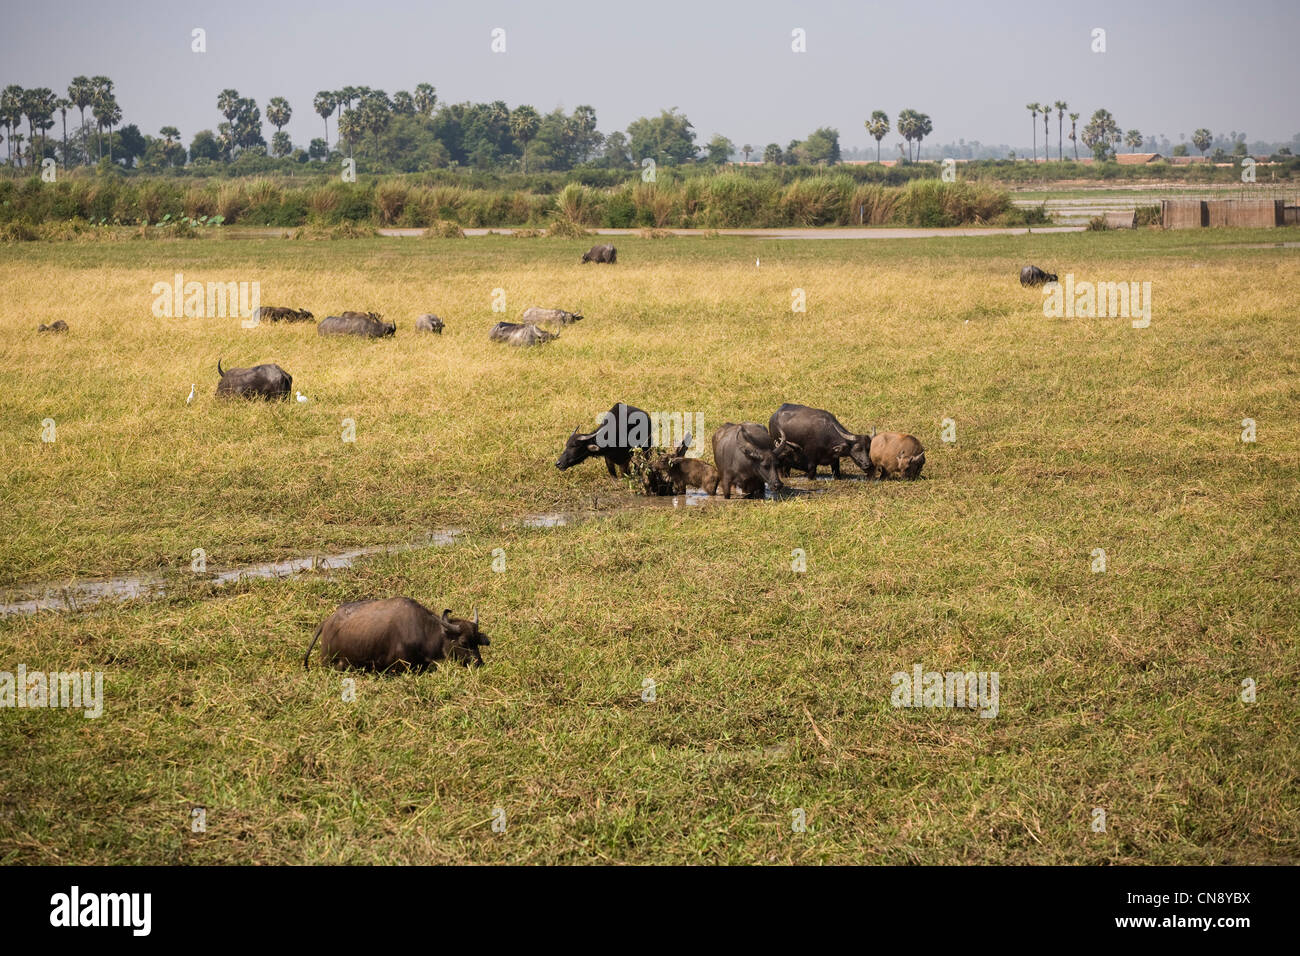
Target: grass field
<point>1119,690</point>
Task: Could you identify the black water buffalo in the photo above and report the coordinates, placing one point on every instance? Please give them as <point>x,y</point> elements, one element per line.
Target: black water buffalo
<point>275,313</point>
<point>366,324</point>
<point>746,458</point>
<point>896,455</point>
<point>398,634</point>
<point>605,253</point>
<point>521,334</point>
<point>535,316</point>
<point>429,323</point>
<point>821,436</point>
<point>58,325</point>
<point>623,428</point>
<point>1032,275</point>
<point>260,381</point>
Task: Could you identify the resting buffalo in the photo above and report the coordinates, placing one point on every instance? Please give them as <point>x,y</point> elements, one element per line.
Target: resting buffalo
<point>366,324</point>
<point>517,333</point>
<point>896,455</point>
<point>429,323</point>
<point>623,428</point>
<point>821,436</point>
<point>396,633</point>
<point>535,316</point>
<point>58,325</point>
<point>275,313</point>
<point>747,459</point>
<point>1032,275</point>
<point>605,253</point>
<point>260,381</point>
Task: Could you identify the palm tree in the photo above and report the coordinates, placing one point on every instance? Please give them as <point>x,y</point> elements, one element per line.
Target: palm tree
<point>349,127</point>
<point>878,128</point>
<point>82,94</point>
<point>746,150</point>
<point>324,105</point>
<point>278,112</point>
<point>403,103</point>
<point>45,103</point>
<point>63,104</point>
<point>1033,121</point>
<point>524,124</point>
<point>1202,139</point>
<point>425,98</point>
<point>1061,107</point>
<point>1133,140</point>
<point>376,111</point>
<point>11,114</point>
<point>1046,110</point>
<point>228,105</point>
<point>908,120</point>
<point>101,90</point>
<point>109,114</point>
<point>1074,122</point>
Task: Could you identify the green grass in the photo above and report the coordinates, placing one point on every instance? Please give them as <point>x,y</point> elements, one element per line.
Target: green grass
<point>1119,690</point>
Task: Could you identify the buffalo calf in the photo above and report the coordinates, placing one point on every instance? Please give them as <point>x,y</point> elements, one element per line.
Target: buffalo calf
<point>896,455</point>
<point>605,253</point>
<point>1032,275</point>
<point>429,323</point>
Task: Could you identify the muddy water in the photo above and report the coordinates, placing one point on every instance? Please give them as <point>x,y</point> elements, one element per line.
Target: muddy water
<point>76,595</point>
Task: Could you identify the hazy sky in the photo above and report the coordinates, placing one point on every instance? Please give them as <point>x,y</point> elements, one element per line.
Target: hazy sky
<point>1170,65</point>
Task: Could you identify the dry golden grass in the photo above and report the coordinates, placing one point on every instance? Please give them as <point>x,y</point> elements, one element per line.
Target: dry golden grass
<point>1119,690</point>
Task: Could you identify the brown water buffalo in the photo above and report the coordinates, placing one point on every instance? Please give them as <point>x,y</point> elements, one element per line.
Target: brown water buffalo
<point>672,473</point>
<point>397,634</point>
<point>536,316</point>
<point>366,324</point>
<point>623,428</point>
<point>1032,275</point>
<point>896,455</point>
<point>275,313</point>
<point>746,458</point>
<point>429,323</point>
<point>521,334</point>
<point>260,381</point>
<point>821,436</point>
<point>605,253</point>
<point>58,325</point>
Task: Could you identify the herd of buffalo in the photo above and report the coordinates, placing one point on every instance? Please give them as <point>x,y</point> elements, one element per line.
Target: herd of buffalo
<point>748,458</point>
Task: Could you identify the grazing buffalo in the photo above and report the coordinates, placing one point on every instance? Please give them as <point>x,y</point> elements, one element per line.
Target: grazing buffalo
<point>623,428</point>
<point>896,455</point>
<point>605,253</point>
<point>746,458</point>
<point>260,381</point>
<point>275,313</point>
<point>536,316</point>
<point>396,633</point>
<point>518,333</point>
<point>429,323</point>
<point>821,436</point>
<point>1032,275</point>
<point>58,325</point>
<point>366,324</point>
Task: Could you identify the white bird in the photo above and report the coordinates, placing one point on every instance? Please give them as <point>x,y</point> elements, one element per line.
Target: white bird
<point>191,398</point>
<point>755,263</point>
<point>302,397</point>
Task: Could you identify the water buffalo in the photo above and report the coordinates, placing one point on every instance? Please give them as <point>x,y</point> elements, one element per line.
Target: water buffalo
<point>821,436</point>
<point>746,458</point>
<point>365,324</point>
<point>623,428</point>
<point>260,381</point>
<point>518,333</point>
<point>605,253</point>
<point>536,316</point>
<point>396,633</point>
<point>58,325</point>
<point>275,313</point>
<point>1032,275</point>
<point>429,323</point>
<point>897,455</point>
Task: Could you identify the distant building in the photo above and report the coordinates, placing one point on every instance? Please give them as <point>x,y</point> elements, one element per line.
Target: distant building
<point>1138,159</point>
